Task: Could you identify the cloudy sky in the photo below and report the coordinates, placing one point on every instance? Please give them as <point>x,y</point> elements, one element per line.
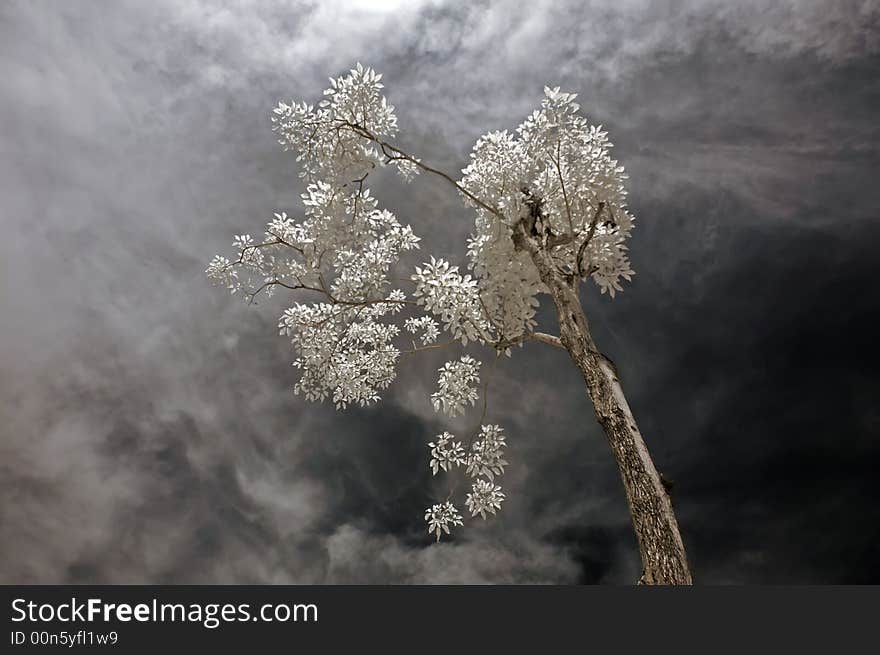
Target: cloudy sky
<point>148,431</point>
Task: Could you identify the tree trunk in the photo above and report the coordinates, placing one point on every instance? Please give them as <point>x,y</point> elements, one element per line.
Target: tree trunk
<point>663,556</point>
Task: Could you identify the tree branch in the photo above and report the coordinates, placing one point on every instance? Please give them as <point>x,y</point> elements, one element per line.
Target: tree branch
<point>589,238</point>
<point>549,339</point>
<point>392,152</point>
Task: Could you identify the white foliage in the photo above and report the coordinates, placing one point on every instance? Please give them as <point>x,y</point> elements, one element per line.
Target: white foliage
<point>446,453</point>
<point>484,497</point>
<point>440,517</point>
<point>453,297</point>
<point>221,272</point>
<point>457,386</point>
<point>487,454</point>
<point>344,352</point>
<point>424,324</point>
<point>323,138</point>
<point>566,162</point>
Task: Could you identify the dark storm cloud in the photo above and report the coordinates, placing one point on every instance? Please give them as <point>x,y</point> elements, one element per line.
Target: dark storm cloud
<point>148,432</point>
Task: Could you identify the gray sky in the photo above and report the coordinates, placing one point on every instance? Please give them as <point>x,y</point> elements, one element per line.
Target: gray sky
<point>149,433</point>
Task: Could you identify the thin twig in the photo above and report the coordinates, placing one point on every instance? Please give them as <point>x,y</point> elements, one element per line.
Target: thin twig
<point>562,184</point>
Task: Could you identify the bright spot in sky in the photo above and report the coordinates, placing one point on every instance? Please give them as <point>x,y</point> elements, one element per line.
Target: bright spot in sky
<point>378,5</point>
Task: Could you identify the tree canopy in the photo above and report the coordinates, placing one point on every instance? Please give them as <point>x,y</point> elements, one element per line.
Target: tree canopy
<point>357,319</point>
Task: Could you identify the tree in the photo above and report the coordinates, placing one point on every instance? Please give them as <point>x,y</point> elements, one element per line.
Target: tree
<point>550,213</point>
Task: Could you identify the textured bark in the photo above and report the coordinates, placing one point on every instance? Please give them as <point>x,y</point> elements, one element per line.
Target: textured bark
<point>663,555</point>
